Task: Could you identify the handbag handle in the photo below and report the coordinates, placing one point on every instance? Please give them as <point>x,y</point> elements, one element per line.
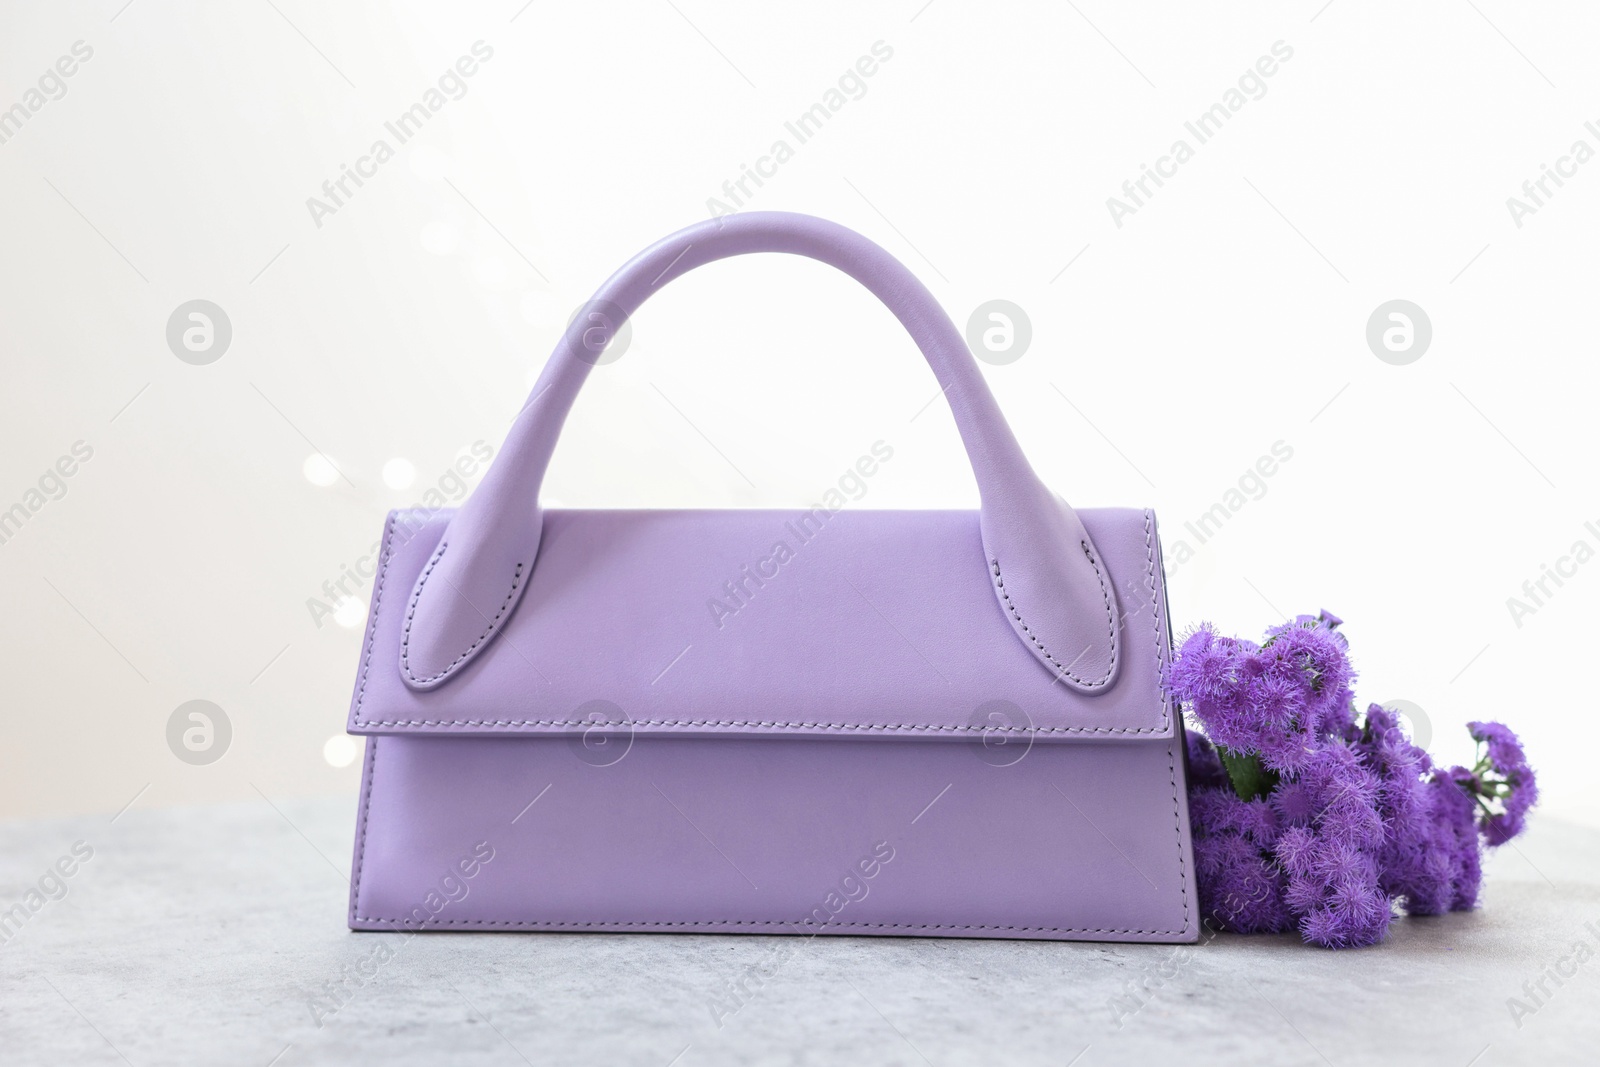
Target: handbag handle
<point>1046,574</point>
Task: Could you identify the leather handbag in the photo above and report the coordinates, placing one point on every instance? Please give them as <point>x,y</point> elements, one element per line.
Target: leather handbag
<point>945,723</point>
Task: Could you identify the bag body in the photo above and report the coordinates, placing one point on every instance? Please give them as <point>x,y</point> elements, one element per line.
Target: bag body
<point>824,721</point>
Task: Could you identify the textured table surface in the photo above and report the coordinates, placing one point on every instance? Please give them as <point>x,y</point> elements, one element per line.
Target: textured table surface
<point>212,935</point>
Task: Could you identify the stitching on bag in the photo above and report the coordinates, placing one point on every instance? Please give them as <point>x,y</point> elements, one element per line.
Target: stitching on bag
<point>1172,778</point>
<point>1155,612</point>
<point>411,612</point>
<point>1111,623</point>
<point>377,603</point>
<point>1177,829</point>
<point>370,775</point>
<point>776,725</point>
<point>1166,707</point>
<point>772,923</point>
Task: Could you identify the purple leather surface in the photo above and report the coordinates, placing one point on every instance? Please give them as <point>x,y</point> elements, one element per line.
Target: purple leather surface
<point>883,623</point>
<point>1083,841</point>
<point>1057,597</point>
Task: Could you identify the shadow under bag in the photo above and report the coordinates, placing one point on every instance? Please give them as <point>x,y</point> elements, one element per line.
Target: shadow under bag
<point>934,723</point>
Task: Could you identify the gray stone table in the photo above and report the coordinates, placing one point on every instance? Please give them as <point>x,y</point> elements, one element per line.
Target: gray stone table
<point>210,936</point>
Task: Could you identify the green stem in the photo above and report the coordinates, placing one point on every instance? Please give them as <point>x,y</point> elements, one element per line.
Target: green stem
<point>1246,774</point>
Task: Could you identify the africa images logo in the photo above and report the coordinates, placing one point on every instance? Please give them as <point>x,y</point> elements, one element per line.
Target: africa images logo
<point>451,85</point>
<point>1251,85</point>
<point>739,591</point>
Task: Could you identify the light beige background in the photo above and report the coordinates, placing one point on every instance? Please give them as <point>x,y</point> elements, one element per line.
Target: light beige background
<point>1168,355</point>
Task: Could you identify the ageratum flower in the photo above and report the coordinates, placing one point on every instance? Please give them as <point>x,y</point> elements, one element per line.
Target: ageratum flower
<point>1276,699</point>
<point>1505,781</point>
<point>1241,888</point>
<point>1331,852</point>
<point>1306,816</point>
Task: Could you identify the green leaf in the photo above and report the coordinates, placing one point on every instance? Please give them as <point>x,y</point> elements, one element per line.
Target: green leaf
<point>1248,777</point>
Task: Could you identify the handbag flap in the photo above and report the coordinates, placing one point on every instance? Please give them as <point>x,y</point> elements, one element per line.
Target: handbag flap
<point>770,623</point>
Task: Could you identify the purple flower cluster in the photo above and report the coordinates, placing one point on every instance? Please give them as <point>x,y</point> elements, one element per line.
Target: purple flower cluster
<point>1307,817</point>
<point>1430,859</point>
<point>1502,775</point>
<point>1305,855</point>
<point>1241,888</point>
<point>1276,699</point>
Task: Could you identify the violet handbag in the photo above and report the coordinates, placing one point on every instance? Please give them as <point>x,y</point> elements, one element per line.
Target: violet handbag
<point>902,722</point>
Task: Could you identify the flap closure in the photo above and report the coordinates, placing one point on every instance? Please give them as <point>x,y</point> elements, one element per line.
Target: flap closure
<point>768,623</point>
<point>1056,591</point>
